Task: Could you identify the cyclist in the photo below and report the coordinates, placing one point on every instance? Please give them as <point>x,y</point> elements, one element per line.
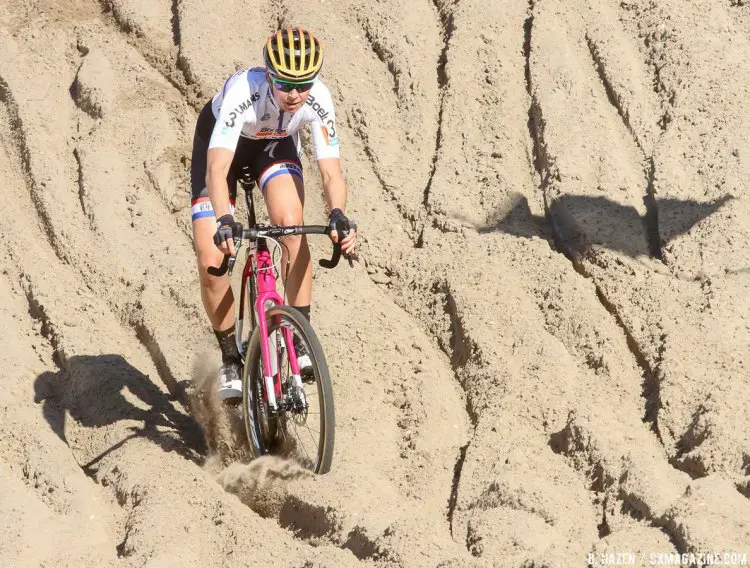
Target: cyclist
<point>249,132</point>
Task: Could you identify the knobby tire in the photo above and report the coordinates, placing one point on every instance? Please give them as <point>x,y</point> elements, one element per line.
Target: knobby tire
<point>263,435</point>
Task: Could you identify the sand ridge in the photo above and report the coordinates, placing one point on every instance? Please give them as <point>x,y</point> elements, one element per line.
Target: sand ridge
<point>547,352</point>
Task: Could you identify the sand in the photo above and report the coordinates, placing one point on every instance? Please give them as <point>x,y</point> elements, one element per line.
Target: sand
<point>542,352</point>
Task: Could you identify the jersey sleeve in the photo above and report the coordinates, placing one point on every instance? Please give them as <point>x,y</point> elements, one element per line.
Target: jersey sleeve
<point>236,110</point>
<point>324,137</point>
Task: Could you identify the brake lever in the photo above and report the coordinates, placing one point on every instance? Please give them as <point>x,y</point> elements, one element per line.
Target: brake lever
<point>343,230</point>
<point>227,265</point>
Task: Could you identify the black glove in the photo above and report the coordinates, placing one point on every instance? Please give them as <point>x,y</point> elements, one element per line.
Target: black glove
<point>227,228</point>
<point>340,223</point>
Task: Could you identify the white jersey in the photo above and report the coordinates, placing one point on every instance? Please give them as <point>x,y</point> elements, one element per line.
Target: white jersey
<point>245,107</point>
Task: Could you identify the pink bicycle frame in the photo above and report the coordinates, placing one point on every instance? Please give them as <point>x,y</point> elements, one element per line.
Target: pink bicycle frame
<point>267,296</point>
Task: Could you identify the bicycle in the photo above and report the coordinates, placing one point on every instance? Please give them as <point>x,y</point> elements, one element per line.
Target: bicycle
<point>274,395</point>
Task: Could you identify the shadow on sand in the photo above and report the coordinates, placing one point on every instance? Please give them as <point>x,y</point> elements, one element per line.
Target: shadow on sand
<point>104,389</point>
<point>580,221</point>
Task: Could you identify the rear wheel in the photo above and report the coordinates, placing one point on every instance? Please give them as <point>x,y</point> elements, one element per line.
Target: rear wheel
<point>302,425</point>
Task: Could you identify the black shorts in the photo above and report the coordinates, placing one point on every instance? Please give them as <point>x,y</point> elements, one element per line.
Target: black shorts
<point>255,161</point>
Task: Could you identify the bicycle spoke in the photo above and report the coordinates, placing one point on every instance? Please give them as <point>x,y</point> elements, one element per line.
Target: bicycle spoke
<point>302,445</point>
<point>310,430</point>
<point>297,428</point>
<point>313,437</point>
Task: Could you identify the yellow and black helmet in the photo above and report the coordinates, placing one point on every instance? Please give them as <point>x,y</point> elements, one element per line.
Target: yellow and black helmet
<point>293,54</point>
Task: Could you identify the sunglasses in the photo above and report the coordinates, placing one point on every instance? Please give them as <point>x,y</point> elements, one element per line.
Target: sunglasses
<point>288,86</point>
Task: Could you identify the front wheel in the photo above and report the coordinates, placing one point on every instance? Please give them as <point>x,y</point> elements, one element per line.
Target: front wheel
<point>302,425</point>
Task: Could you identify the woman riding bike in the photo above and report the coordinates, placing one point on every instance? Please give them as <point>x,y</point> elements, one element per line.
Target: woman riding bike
<point>249,132</point>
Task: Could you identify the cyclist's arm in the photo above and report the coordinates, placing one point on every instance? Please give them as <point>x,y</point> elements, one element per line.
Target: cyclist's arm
<point>333,183</point>
<point>236,111</point>
<point>219,162</point>
<point>335,190</point>
<point>326,145</point>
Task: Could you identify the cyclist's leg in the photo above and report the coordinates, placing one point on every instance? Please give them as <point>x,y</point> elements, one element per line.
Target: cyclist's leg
<point>284,197</point>
<point>216,292</point>
<point>280,181</point>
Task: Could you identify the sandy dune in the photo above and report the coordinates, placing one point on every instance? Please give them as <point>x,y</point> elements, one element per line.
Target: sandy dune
<point>548,352</point>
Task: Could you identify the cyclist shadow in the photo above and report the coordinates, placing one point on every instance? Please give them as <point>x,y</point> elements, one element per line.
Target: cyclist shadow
<point>615,226</point>
<point>100,390</point>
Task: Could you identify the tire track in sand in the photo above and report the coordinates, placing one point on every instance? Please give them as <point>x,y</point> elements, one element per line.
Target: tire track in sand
<point>550,176</point>
<point>663,513</point>
<point>135,424</point>
<point>91,265</point>
<point>17,138</point>
<point>456,355</point>
<point>445,9</point>
<point>651,217</point>
<point>573,247</point>
<point>170,64</point>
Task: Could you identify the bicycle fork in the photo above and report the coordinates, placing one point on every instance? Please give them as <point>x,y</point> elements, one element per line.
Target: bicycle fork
<point>270,348</point>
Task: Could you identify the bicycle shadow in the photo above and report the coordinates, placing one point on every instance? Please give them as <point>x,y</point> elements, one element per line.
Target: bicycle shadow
<point>97,390</point>
<point>581,220</point>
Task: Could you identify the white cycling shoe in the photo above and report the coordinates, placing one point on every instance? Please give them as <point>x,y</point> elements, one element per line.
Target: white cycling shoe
<point>304,361</point>
<point>230,384</point>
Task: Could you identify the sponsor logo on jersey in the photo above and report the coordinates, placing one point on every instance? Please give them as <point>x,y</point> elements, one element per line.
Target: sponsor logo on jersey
<point>272,133</point>
<point>320,111</point>
<point>265,117</point>
<point>239,109</point>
